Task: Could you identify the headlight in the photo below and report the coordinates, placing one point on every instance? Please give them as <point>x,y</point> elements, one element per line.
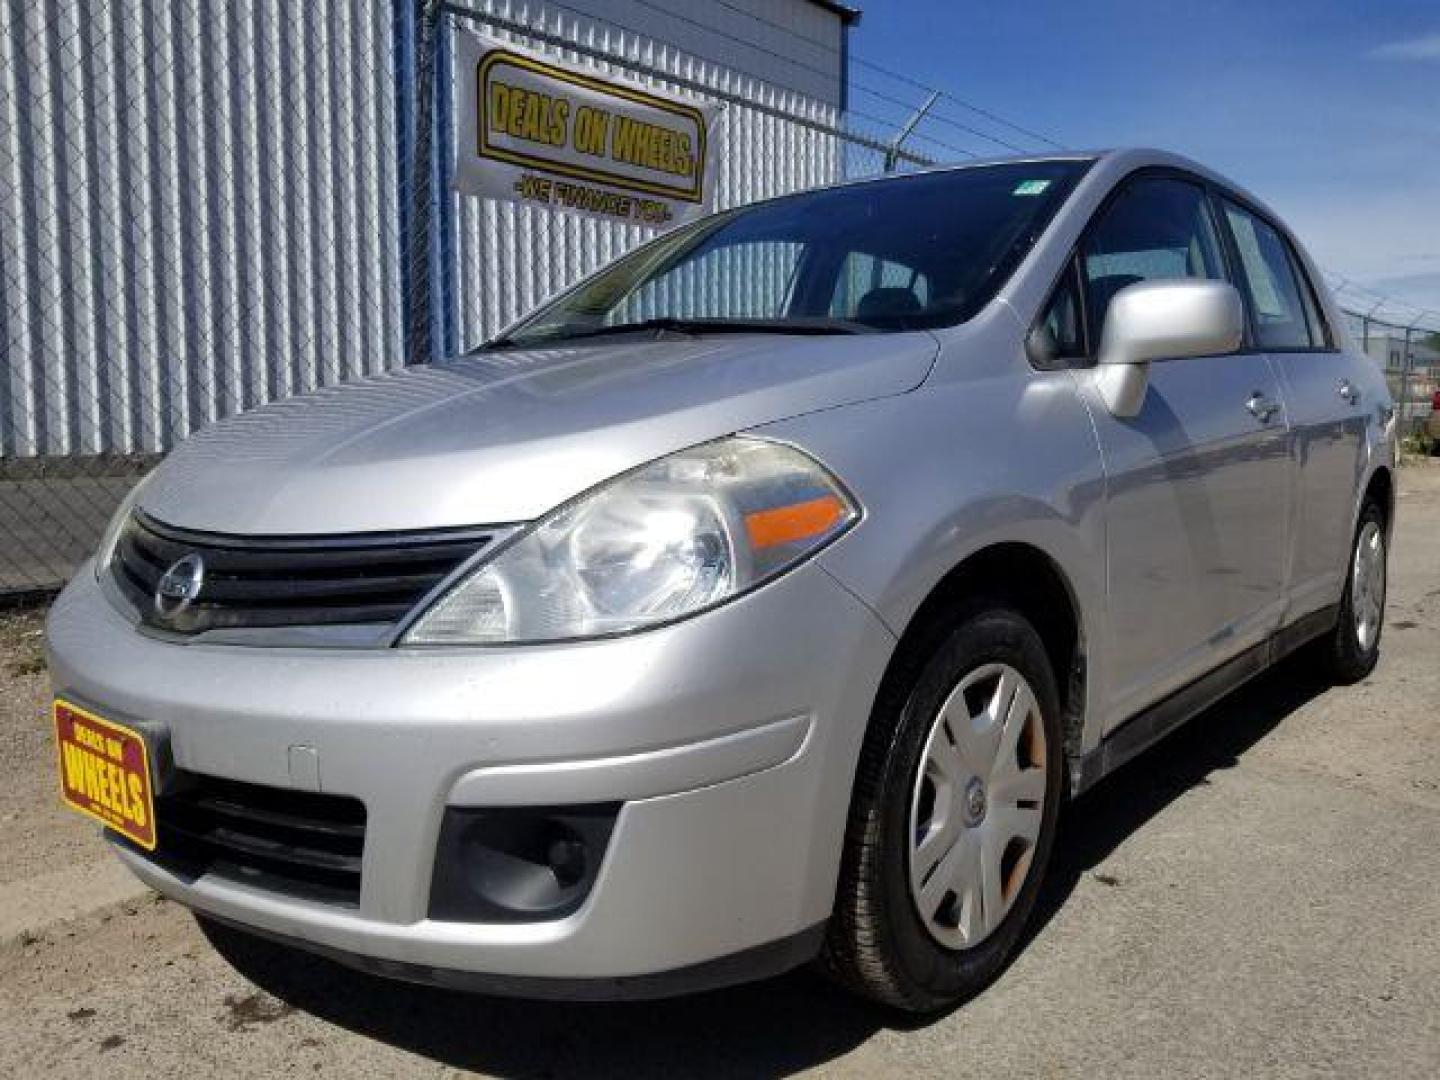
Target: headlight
<point>111,536</point>
<point>677,536</point>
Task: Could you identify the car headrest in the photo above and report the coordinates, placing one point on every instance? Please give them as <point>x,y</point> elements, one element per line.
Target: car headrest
<point>887,303</point>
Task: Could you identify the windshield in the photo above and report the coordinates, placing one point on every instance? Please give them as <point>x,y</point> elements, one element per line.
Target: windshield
<point>923,250</point>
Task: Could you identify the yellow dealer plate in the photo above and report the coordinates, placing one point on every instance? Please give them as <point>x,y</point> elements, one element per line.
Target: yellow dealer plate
<point>105,772</point>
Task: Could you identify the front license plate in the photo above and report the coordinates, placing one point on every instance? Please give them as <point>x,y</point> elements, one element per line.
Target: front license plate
<point>105,772</point>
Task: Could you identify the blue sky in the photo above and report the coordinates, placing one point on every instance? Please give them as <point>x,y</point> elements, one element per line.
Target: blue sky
<point>1329,111</point>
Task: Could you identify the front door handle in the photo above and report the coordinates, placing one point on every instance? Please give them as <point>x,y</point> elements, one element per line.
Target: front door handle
<point>1347,391</point>
<point>1261,407</point>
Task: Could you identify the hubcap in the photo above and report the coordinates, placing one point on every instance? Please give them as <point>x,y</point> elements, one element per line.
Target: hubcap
<point>977,805</point>
<point>1367,585</point>
<point>974,803</point>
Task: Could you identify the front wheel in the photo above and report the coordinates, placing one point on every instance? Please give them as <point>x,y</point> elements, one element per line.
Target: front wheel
<point>954,812</point>
<point>1353,649</point>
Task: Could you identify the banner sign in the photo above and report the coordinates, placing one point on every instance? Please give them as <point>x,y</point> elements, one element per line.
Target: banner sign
<point>545,133</point>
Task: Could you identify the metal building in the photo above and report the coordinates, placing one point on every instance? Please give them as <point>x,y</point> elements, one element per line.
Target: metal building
<point>204,207</point>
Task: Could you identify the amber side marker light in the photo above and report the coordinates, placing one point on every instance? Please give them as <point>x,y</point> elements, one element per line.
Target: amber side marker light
<point>798,521</point>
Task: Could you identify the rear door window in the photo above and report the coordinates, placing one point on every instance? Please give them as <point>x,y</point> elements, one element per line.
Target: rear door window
<point>1278,305</point>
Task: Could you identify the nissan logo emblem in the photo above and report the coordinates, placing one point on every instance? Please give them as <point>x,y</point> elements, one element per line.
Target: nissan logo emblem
<point>180,586</point>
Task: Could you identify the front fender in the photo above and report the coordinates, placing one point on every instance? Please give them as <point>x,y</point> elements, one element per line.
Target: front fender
<point>955,467</point>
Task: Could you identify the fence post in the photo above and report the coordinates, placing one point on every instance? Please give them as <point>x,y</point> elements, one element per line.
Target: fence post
<point>1365,325</point>
<point>417,23</point>
<point>892,153</point>
<point>444,295</point>
<point>1405,362</point>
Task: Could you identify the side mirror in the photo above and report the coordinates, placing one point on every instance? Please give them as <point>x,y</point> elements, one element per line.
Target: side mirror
<point>1162,320</point>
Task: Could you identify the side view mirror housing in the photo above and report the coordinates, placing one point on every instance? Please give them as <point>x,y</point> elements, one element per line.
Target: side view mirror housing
<point>1162,320</point>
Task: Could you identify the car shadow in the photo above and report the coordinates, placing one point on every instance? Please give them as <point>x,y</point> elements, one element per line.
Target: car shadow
<point>773,1028</point>
<point>1101,820</point>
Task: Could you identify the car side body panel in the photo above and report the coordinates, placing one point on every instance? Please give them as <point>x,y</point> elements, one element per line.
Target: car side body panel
<point>1065,492</point>
<point>1328,442</point>
<point>1197,495</point>
<point>971,479</point>
<point>1357,444</point>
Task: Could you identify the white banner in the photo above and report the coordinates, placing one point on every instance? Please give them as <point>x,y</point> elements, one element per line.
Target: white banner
<point>541,132</point>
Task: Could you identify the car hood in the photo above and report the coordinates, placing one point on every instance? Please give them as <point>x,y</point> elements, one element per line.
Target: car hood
<point>506,436</point>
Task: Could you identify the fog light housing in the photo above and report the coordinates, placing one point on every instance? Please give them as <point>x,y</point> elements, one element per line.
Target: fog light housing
<point>518,864</point>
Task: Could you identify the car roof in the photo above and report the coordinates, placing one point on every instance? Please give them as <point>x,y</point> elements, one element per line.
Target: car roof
<point>1108,167</point>
<point>1113,163</point>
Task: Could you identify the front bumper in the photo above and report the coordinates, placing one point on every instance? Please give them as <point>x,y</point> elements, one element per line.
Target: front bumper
<point>730,739</point>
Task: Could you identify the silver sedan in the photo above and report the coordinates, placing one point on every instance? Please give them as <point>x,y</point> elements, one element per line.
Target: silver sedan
<point>759,600</point>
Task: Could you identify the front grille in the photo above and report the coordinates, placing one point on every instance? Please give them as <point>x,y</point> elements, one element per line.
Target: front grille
<point>287,581</point>
<point>298,843</point>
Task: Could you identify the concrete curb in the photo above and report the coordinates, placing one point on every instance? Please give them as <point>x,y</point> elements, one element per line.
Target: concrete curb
<point>35,904</point>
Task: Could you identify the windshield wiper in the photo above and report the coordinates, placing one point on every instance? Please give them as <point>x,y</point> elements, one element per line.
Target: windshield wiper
<point>814,325</point>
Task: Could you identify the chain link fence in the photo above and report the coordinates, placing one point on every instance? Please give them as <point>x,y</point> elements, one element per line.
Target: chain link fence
<point>196,217</point>
<point>1406,344</point>
<point>205,208</point>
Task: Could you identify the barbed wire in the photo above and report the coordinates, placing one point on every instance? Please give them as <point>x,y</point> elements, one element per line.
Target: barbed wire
<point>1390,310</point>
<point>951,96</point>
<point>879,69</point>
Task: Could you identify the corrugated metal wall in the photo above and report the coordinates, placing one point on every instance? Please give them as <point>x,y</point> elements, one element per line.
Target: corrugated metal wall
<point>200,204</point>
<point>197,213</point>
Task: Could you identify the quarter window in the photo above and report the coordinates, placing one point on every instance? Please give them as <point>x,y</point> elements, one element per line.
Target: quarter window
<point>1157,228</point>
<point>1062,318</point>
<point>1283,318</point>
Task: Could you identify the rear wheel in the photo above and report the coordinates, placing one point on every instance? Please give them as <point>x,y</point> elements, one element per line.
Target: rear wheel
<point>953,816</point>
<point>1354,647</point>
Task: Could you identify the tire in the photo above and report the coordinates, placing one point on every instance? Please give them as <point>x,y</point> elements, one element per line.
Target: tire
<point>1349,653</point>
<point>879,942</point>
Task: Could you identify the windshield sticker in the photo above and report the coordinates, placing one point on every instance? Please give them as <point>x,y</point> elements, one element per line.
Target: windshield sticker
<point>1031,187</point>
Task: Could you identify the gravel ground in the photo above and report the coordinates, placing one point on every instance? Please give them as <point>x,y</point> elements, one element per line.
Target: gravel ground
<point>1257,896</point>
<point>37,833</point>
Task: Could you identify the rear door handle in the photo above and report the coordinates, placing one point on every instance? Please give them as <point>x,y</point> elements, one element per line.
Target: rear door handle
<point>1347,392</point>
<point>1261,407</point>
